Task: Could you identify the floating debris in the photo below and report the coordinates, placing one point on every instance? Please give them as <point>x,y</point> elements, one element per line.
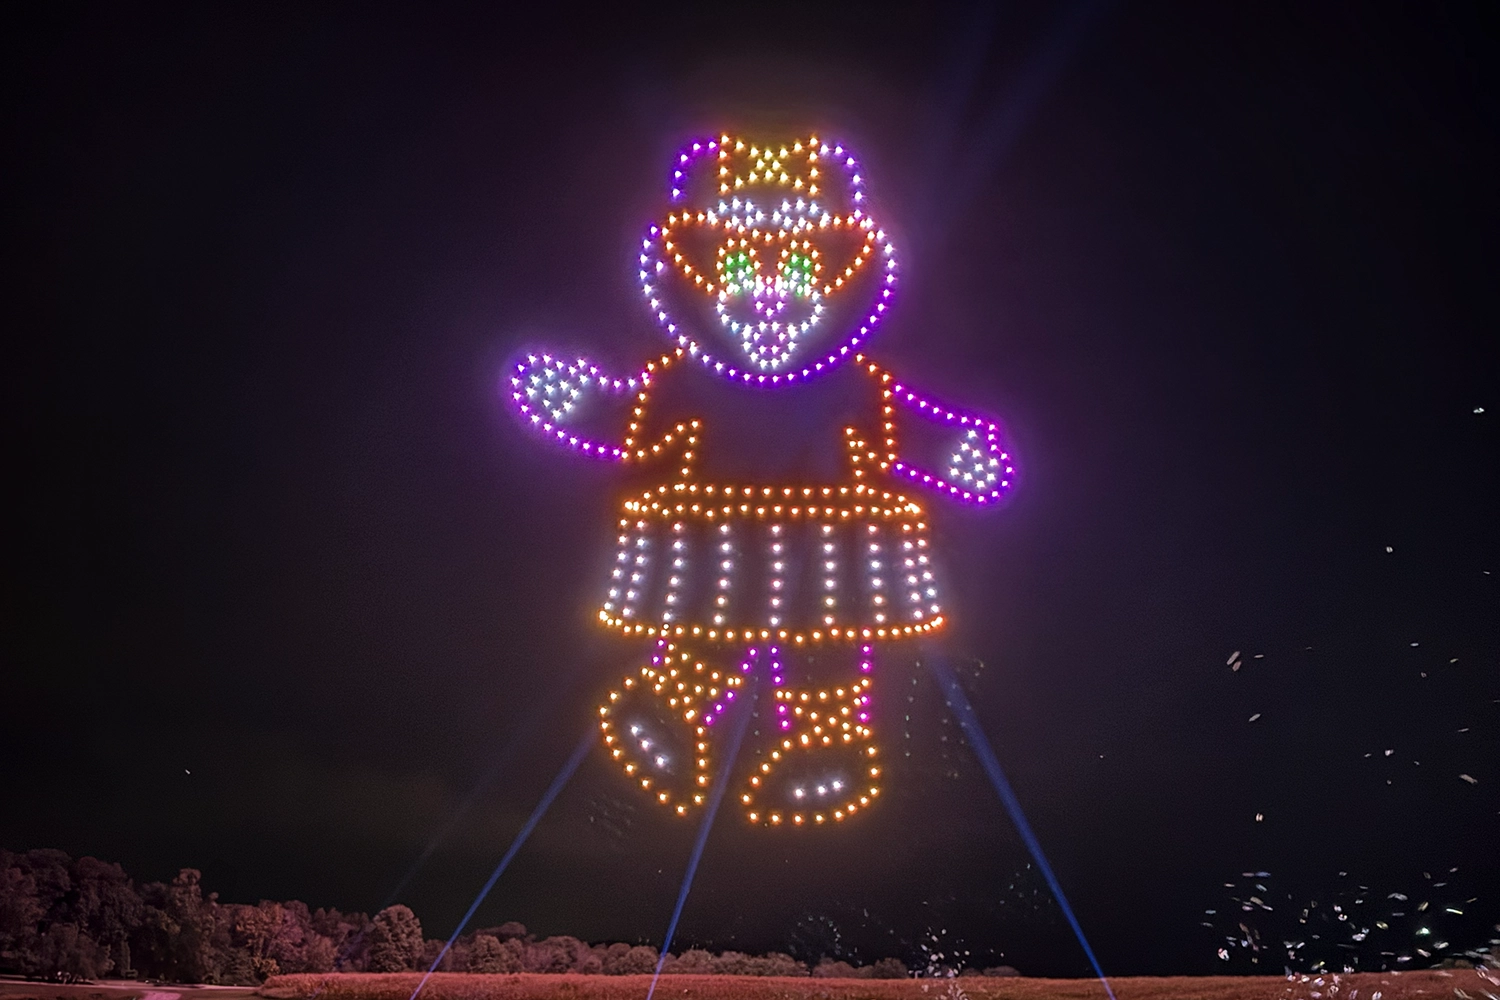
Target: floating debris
<point>1347,928</point>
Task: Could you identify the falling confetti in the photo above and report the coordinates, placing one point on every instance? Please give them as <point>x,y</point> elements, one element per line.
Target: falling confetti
<point>1470,779</point>
<point>1346,926</point>
<point>1255,716</point>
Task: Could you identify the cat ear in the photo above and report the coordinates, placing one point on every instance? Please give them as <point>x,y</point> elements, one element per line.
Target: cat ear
<point>845,248</point>
<point>694,248</point>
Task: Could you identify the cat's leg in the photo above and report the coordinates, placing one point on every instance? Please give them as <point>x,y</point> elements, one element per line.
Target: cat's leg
<point>660,725</point>
<point>816,761</point>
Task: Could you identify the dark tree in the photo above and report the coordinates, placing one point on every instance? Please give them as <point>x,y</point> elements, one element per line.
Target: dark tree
<point>734,963</point>
<point>66,953</point>
<point>177,936</point>
<point>590,960</point>
<point>489,954</point>
<point>297,945</point>
<point>888,968</point>
<point>777,964</point>
<point>635,961</point>
<point>21,913</point>
<point>61,919</point>
<point>73,920</point>
<point>252,933</point>
<point>555,954</point>
<point>830,968</point>
<point>350,936</point>
<point>510,929</point>
<point>395,940</point>
<point>694,961</point>
<point>107,907</point>
<point>435,955</point>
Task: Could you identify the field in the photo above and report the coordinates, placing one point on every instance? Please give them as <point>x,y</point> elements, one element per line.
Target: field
<point>457,986</point>
<point>1427,984</point>
<point>117,989</point>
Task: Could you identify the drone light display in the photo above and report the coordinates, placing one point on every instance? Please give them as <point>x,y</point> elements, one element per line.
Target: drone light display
<point>767,272</point>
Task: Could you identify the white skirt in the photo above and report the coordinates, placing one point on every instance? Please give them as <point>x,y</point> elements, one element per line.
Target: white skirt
<point>741,563</point>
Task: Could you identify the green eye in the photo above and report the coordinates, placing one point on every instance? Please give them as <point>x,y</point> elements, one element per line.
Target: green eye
<point>796,275</point>
<point>737,272</point>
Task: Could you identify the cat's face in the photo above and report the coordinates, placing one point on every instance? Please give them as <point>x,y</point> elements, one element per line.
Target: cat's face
<point>768,265</point>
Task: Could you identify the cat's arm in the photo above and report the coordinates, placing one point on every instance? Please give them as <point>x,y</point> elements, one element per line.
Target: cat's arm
<point>572,403</point>
<point>957,454</point>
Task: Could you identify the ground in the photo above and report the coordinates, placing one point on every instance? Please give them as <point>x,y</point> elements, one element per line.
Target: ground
<point>1433,983</point>
<point>117,989</point>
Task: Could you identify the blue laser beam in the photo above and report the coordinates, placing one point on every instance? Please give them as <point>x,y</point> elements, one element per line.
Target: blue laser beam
<point>584,746</point>
<point>495,769</point>
<point>714,798</point>
<point>958,702</point>
<point>1003,125</point>
<point>520,736</point>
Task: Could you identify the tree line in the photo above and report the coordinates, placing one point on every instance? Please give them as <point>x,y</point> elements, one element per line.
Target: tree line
<point>78,919</point>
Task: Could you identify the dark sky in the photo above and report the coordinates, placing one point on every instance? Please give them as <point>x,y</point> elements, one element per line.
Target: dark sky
<point>1226,275</point>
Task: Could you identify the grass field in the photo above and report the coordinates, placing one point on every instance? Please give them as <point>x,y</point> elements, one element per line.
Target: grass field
<point>12,988</point>
<point>1427,984</point>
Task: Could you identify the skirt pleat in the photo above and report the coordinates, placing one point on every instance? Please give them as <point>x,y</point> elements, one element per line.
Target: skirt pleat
<point>845,563</point>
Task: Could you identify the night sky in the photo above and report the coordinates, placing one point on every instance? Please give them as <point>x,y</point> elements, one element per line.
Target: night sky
<point>289,593</point>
